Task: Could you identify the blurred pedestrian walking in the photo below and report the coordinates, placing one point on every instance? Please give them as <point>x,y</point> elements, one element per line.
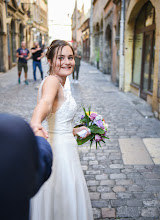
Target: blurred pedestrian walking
<point>23,54</point>
<point>77,58</point>
<point>37,54</point>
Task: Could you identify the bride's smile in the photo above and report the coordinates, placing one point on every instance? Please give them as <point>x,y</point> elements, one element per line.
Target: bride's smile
<point>63,63</point>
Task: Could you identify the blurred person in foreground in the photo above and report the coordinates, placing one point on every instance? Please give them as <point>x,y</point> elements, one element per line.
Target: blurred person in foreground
<point>23,56</point>
<point>25,164</point>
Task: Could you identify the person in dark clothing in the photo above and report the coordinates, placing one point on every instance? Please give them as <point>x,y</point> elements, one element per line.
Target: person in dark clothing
<point>37,54</point>
<point>23,55</point>
<point>25,164</point>
<point>77,58</point>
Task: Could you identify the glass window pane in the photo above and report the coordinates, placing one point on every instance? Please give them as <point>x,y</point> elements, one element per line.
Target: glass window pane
<point>152,65</point>
<point>147,57</point>
<point>137,58</point>
<point>140,20</point>
<point>149,15</point>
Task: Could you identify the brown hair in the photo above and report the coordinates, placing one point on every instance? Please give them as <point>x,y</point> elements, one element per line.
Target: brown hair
<point>51,52</point>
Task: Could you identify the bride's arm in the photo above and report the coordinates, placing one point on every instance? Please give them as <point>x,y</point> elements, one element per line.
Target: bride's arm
<point>44,106</point>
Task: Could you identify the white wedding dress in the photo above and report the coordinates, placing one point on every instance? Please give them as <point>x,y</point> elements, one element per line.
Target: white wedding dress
<point>64,196</point>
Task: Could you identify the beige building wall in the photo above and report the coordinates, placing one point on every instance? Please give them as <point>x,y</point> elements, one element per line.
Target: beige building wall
<point>98,29</point>
<point>131,14</point>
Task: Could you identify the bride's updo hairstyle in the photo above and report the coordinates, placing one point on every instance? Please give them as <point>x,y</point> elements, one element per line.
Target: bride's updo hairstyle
<point>53,50</point>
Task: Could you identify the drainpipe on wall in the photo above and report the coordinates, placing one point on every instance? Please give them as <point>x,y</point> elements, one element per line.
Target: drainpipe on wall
<point>91,33</point>
<point>121,49</point>
<point>8,39</point>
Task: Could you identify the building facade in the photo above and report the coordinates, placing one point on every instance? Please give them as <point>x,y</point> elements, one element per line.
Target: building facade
<point>81,29</point>
<point>142,51</point>
<point>126,44</point>
<point>20,20</point>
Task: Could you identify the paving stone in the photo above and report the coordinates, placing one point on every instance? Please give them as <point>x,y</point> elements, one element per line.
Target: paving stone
<point>101,177</point>
<point>100,203</point>
<point>116,166</point>
<point>89,177</point>
<point>108,196</point>
<point>111,171</point>
<point>141,182</point>
<point>154,189</point>
<point>134,203</point>
<point>150,212</point>
<point>153,146</point>
<point>94,195</point>
<point>106,212</point>
<point>118,189</point>
<point>84,162</point>
<point>134,151</point>
<point>152,203</point>
<point>124,182</point>
<point>118,202</point>
<point>115,156</point>
<point>107,182</point>
<point>146,195</point>
<point>96,213</point>
<point>101,157</point>
<point>128,212</point>
<point>99,167</point>
<point>118,176</point>
<point>103,189</point>
<point>88,158</point>
<point>135,188</point>
<point>124,195</point>
<point>90,172</point>
<point>84,167</point>
<point>92,183</point>
<point>92,188</point>
<point>93,162</point>
<point>154,182</point>
<point>151,175</point>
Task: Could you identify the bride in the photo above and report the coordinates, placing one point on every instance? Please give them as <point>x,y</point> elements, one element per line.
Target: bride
<point>65,195</point>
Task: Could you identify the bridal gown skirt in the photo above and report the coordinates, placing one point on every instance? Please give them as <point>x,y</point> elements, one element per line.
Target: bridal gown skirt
<point>64,196</point>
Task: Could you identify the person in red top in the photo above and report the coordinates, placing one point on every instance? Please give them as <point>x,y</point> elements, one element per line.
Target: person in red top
<point>23,55</point>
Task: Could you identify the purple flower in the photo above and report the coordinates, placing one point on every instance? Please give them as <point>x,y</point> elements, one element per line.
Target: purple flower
<point>93,116</point>
<point>82,116</point>
<point>99,123</point>
<point>98,138</point>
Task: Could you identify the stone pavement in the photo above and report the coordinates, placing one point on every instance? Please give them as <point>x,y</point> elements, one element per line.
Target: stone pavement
<point>118,190</point>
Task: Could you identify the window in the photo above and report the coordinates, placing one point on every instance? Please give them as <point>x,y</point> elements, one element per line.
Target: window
<point>144,46</point>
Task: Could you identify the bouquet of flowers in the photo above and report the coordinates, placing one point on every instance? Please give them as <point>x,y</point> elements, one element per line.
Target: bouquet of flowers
<point>97,126</point>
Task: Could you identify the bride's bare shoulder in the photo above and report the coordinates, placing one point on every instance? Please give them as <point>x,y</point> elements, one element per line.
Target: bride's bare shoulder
<point>51,80</point>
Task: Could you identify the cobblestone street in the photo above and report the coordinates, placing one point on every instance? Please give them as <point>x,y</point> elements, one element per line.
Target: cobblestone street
<point>119,189</point>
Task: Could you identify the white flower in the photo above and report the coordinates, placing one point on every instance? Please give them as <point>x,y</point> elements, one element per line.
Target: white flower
<point>90,123</point>
<point>105,126</point>
<point>98,117</point>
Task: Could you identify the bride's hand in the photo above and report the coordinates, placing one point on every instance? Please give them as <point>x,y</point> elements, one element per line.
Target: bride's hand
<point>39,130</point>
<point>76,130</point>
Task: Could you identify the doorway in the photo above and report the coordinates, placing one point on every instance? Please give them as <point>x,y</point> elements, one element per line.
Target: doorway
<point>144,50</point>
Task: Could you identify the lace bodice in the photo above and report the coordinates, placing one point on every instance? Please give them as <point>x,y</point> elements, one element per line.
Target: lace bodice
<point>61,120</point>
